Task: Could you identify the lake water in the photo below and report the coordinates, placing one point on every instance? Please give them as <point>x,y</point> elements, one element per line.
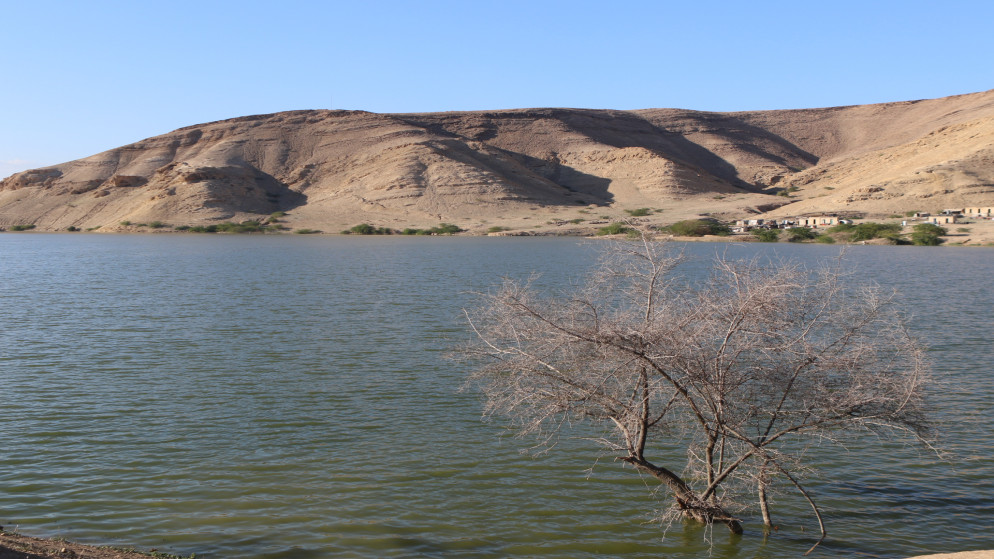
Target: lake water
<point>288,396</point>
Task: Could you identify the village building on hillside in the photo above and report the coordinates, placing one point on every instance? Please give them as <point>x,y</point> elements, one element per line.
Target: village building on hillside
<point>812,222</point>
<point>978,212</point>
<point>817,221</point>
<point>943,219</point>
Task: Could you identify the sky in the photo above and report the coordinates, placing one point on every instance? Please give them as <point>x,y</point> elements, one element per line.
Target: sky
<point>78,78</point>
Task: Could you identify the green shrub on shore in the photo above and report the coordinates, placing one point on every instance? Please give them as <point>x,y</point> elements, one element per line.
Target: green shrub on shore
<point>766,235</point>
<point>22,227</point>
<point>927,234</point>
<point>441,229</point>
<point>616,228</point>
<point>250,226</point>
<point>869,230</point>
<point>799,234</point>
<point>698,228</point>
<point>367,229</point>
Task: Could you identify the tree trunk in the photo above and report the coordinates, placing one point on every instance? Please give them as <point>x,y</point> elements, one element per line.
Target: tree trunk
<point>688,501</point>
<point>764,506</point>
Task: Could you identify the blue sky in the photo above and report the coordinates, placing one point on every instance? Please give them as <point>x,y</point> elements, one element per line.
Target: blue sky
<point>83,77</point>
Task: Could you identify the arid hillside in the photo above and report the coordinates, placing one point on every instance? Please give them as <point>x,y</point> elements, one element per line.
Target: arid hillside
<point>545,170</point>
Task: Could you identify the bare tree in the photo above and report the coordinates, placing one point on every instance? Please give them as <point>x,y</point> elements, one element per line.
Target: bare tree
<point>744,370</point>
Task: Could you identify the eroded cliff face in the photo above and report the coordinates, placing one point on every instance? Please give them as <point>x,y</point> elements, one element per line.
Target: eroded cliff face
<point>331,169</point>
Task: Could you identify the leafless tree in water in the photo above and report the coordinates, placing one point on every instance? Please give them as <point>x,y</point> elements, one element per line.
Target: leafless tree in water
<point>742,371</point>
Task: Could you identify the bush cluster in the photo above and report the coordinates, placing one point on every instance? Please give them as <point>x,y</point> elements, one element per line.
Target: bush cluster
<point>250,226</point>
<point>869,230</point>
<point>798,234</point>
<point>616,228</point>
<point>927,234</point>
<point>367,229</point>
<point>698,228</point>
<point>766,235</point>
<point>639,212</point>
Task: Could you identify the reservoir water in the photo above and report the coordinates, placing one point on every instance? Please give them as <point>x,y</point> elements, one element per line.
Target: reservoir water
<point>288,396</point>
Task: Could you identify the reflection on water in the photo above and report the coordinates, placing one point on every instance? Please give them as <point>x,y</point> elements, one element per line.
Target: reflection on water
<point>257,396</point>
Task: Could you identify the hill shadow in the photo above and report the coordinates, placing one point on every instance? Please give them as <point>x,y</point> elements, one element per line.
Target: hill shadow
<point>622,129</point>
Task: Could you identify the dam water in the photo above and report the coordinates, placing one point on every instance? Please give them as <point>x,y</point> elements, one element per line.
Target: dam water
<point>289,396</point>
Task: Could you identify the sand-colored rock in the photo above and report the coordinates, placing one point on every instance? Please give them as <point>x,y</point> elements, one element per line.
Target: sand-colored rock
<point>526,169</point>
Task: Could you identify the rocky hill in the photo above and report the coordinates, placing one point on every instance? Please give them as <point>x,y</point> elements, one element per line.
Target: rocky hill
<point>524,169</point>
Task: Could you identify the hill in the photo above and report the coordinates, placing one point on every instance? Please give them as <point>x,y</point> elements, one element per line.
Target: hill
<point>524,169</point>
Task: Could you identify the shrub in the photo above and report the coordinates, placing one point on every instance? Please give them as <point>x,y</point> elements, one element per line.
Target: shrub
<point>125,223</point>
<point>766,235</point>
<point>698,228</point>
<point>251,226</point>
<point>869,230</point>
<point>930,228</point>
<point>798,234</point>
<point>362,229</point>
<point>306,231</point>
<point>202,229</point>
<point>616,228</point>
<point>841,228</point>
<point>441,229</point>
<point>367,229</point>
<point>22,227</point>
<point>639,212</point>
<point>445,229</point>
<point>824,239</point>
<point>495,229</point>
<point>157,225</point>
<point>927,234</point>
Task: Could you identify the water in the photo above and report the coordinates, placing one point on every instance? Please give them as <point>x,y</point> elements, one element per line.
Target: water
<point>252,396</point>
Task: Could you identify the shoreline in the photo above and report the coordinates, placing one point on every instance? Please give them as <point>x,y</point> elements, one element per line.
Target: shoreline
<point>18,546</point>
<point>984,241</point>
<point>14,545</point>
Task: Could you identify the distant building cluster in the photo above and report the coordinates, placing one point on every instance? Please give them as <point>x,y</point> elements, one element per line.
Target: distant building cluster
<point>822,221</point>
<point>811,222</point>
<point>950,216</point>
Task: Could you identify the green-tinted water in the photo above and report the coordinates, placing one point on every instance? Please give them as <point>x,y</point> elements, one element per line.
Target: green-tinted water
<point>239,396</point>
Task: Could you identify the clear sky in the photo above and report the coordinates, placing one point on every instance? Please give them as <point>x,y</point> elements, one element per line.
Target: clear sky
<point>77,78</point>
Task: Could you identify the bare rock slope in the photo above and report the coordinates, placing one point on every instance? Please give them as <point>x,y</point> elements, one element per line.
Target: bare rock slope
<point>332,169</point>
